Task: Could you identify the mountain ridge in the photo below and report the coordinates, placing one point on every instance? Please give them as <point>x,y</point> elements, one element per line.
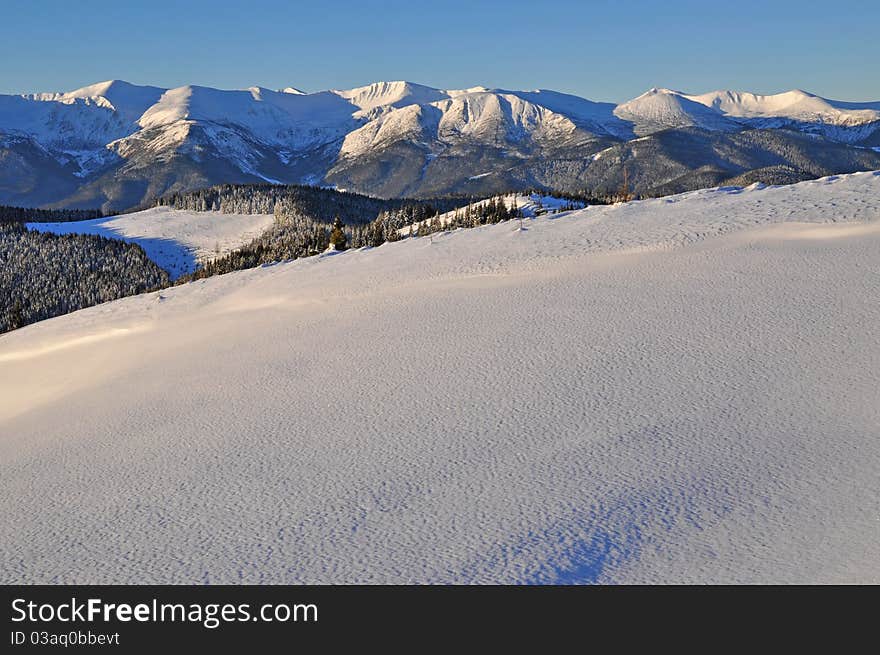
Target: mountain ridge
<point>117,144</point>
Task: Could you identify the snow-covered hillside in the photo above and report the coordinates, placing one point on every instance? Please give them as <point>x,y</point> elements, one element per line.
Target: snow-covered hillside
<point>674,390</point>
<point>529,205</point>
<point>178,241</point>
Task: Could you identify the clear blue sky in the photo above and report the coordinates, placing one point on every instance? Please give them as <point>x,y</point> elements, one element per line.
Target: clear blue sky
<point>602,50</point>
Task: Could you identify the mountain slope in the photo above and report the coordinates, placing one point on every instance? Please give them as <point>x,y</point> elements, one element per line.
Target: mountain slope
<point>661,109</point>
<point>116,145</point>
<point>848,122</point>
<point>177,241</point>
<point>570,403</point>
<point>673,161</point>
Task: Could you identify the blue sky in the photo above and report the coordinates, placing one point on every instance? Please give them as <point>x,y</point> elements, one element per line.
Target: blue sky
<point>600,50</point>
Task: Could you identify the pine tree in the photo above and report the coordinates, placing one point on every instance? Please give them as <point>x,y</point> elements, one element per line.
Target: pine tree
<point>377,236</point>
<point>337,236</point>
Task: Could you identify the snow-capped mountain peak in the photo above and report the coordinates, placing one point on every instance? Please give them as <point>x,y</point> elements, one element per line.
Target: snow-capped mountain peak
<point>660,108</point>
<point>397,129</point>
<point>384,95</point>
<point>795,105</point>
<point>127,100</point>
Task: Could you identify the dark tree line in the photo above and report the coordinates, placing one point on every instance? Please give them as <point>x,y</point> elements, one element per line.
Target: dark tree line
<point>488,212</point>
<point>319,204</point>
<point>584,197</point>
<point>31,215</point>
<point>44,275</point>
<point>307,220</point>
<point>296,236</point>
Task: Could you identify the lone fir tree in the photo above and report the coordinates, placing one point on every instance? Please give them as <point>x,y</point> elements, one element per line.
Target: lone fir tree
<point>337,236</point>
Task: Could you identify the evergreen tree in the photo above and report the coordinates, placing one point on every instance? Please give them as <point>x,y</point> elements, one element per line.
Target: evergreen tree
<point>338,240</point>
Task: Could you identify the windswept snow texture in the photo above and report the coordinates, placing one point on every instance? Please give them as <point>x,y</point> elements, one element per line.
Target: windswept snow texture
<point>176,240</point>
<point>675,390</point>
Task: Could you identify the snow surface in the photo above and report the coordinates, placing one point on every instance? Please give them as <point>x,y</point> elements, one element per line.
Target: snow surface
<point>681,389</point>
<point>176,240</point>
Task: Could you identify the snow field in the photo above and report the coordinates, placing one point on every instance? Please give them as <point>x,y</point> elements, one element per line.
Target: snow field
<point>673,390</point>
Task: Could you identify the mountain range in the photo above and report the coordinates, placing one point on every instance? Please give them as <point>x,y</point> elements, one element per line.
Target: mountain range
<point>116,145</point>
